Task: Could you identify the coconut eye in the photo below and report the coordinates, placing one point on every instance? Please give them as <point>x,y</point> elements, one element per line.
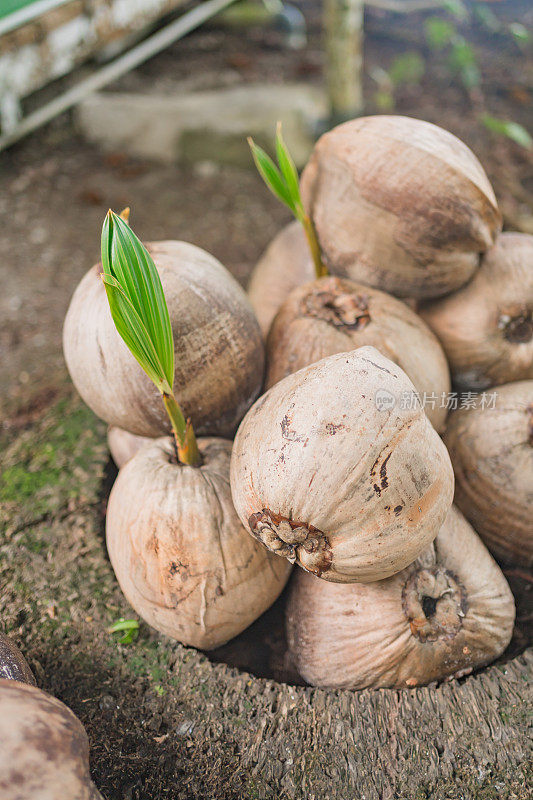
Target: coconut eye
<point>434,603</point>
<point>486,327</point>
<point>429,605</point>
<point>517,329</point>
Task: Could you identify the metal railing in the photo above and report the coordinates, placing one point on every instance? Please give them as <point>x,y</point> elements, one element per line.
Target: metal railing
<point>141,52</point>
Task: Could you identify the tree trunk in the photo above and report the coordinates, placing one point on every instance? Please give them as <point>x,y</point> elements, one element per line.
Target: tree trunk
<point>343,30</point>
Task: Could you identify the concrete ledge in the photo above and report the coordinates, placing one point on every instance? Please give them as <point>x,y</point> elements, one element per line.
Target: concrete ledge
<point>203,126</point>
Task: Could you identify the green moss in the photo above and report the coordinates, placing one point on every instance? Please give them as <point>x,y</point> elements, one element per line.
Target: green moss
<point>54,466</point>
<point>33,543</point>
<point>149,659</point>
<point>253,790</point>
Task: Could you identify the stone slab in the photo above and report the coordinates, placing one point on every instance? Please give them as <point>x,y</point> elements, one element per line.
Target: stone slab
<point>204,126</point>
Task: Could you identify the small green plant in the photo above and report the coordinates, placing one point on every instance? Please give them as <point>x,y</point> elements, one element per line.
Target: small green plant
<point>439,32</point>
<point>487,18</point>
<point>457,9</point>
<point>519,32</point>
<point>512,130</point>
<point>407,68</point>
<point>463,60</point>
<point>491,23</point>
<point>283,182</point>
<point>129,628</point>
<point>140,314</point>
<point>443,35</point>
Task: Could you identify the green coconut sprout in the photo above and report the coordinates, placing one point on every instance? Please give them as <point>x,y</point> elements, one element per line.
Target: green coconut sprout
<point>140,314</point>
<point>282,180</point>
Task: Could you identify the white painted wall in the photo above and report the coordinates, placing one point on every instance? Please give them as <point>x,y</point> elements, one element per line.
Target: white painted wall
<point>53,44</point>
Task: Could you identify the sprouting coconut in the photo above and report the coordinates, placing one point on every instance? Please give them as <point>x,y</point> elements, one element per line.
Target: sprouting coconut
<point>179,552</point>
<point>333,315</point>
<point>216,340</point>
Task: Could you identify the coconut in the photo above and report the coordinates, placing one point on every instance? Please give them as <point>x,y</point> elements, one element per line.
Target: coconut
<point>123,445</point>
<point>486,327</point>
<point>449,612</point>
<point>179,552</point>
<point>332,471</point>
<point>285,264</point>
<point>399,204</point>
<point>491,447</point>
<point>13,665</point>
<point>333,315</point>
<point>45,751</point>
<point>218,348</point>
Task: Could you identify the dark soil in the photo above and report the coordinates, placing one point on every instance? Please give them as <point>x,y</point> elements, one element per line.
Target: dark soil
<point>163,721</point>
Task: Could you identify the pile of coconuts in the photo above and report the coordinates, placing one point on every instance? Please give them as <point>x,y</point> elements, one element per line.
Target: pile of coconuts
<point>329,448</point>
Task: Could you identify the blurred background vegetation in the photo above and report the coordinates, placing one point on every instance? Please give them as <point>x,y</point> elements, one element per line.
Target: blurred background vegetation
<point>465,65</point>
